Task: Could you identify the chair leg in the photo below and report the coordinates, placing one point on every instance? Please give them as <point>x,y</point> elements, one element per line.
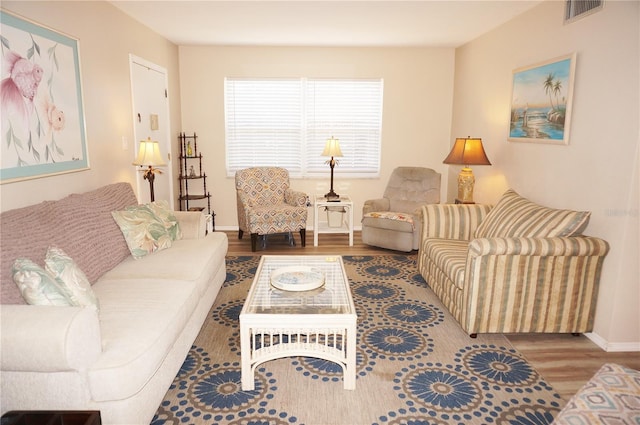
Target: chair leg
<point>303,237</point>
<point>240,233</point>
<point>254,241</point>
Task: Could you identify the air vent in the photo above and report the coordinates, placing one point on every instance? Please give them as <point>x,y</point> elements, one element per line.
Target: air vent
<point>576,9</point>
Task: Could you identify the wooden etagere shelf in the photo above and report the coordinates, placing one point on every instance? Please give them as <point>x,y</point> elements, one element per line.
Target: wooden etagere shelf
<point>192,178</point>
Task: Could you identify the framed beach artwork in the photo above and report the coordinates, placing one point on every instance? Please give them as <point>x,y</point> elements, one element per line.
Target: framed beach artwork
<point>43,127</point>
<point>541,101</point>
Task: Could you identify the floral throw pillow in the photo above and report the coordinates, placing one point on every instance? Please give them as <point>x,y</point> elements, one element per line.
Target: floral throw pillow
<point>142,230</point>
<point>36,285</point>
<point>167,217</point>
<point>69,276</point>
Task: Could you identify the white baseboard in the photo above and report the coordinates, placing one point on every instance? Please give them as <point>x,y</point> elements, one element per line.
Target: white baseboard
<point>613,346</point>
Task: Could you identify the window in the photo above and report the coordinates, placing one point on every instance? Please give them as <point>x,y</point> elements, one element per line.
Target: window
<point>286,122</point>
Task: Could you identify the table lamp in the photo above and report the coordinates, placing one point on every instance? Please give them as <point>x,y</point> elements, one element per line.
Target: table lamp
<point>467,152</point>
<point>149,154</point>
<point>332,149</point>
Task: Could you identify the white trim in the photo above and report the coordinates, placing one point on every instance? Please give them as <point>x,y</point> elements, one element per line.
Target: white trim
<point>612,347</point>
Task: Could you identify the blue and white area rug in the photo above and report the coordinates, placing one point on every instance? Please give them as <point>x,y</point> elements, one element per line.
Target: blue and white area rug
<point>415,364</point>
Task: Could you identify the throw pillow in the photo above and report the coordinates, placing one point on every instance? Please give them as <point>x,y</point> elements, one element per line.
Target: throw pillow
<point>515,216</point>
<point>167,217</point>
<point>70,278</point>
<point>142,230</point>
<point>36,285</point>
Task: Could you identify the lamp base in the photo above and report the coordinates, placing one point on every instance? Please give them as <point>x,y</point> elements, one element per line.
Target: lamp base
<point>466,181</point>
<point>150,175</point>
<point>332,196</point>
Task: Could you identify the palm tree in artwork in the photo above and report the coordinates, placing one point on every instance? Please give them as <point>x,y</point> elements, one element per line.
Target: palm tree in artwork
<point>548,87</point>
<point>557,90</point>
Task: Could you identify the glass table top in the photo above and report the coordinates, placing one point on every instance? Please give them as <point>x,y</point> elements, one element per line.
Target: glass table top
<point>331,298</point>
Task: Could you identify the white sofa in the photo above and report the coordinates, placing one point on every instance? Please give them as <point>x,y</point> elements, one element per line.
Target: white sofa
<point>122,358</point>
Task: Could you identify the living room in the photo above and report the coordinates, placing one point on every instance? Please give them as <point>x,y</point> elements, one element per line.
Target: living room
<point>432,96</point>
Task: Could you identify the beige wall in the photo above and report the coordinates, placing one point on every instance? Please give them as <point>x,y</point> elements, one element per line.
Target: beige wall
<point>107,37</point>
<point>418,92</point>
<point>598,170</point>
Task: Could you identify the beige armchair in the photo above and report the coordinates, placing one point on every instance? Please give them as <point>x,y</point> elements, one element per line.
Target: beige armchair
<point>395,220</point>
<point>267,205</point>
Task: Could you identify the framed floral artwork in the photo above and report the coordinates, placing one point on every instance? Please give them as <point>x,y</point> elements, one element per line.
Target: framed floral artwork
<point>541,101</point>
<point>43,126</point>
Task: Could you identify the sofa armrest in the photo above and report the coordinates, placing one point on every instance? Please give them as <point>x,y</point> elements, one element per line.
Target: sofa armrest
<point>532,284</point>
<point>193,224</point>
<point>543,247</point>
<point>49,338</point>
<point>373,205</point>
<point>295,198</point>
<point>452,221</point>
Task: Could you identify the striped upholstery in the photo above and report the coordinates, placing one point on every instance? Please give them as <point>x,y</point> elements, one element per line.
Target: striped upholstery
<point>509,284</point>
<point>449,221</point>
<point>449,256</point>
<point>516,216</point>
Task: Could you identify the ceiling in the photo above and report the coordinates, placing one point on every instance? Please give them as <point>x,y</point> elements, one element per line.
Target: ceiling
<point>444,23</point>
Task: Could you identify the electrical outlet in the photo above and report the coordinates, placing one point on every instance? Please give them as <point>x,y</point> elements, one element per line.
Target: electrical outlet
<point>125,143</point>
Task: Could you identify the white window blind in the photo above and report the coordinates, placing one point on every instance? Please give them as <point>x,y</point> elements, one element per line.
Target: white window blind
<point>286,122</point>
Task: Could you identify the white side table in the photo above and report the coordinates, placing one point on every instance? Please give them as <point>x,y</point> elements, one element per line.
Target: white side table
<point>320,226</point>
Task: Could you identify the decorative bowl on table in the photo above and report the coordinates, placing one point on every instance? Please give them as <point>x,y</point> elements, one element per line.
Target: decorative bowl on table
<point>297,278</point>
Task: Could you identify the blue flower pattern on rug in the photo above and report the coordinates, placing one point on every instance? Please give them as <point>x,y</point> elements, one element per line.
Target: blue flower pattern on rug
<point>467,388</point>
<point>441,389</point>
<point>394,341</point>
<point>498,365</point>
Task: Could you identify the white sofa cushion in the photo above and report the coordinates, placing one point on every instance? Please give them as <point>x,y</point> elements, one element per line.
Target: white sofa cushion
<point>183,261</point>
<point>144,306</point>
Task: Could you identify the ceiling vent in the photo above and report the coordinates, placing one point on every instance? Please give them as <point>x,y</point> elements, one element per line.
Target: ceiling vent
<point>576,9</point>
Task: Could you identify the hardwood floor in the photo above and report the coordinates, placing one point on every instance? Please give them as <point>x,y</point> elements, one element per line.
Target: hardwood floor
<point>567,362</point>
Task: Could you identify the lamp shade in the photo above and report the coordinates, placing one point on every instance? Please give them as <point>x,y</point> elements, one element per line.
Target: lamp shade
<point>467,151</point>
<point>332,148</point>
<point>149,154</point>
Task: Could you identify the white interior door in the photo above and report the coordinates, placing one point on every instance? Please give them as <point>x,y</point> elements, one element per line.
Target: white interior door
<point>151,119</point>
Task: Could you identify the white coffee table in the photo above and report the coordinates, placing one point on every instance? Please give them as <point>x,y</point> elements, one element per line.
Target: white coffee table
<point>317,323</point>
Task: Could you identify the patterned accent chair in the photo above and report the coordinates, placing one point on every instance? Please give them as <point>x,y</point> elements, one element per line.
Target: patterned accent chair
<point>515,267</point>
<point>395,220</point>
<point>267,205</point>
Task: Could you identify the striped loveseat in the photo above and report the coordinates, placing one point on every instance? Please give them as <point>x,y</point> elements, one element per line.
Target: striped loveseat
<point>516,267</point>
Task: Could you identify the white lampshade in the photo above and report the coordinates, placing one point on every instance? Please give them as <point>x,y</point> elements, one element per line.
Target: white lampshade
<point>149,154</point>
<point>332,148</point>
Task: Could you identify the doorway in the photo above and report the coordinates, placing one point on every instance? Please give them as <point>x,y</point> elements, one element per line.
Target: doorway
<point>151,120</point>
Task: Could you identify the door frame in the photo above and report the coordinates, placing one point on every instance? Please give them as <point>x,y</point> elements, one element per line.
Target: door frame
<point>133,59</point>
